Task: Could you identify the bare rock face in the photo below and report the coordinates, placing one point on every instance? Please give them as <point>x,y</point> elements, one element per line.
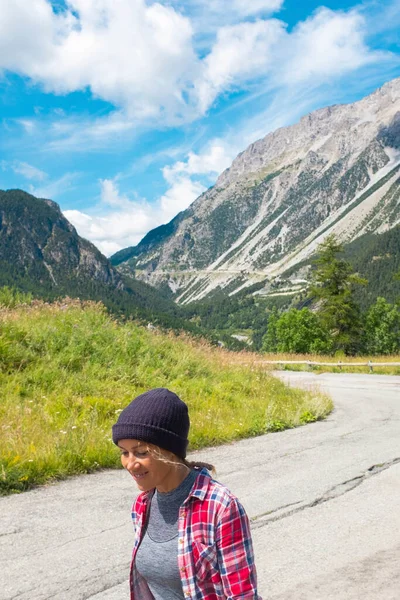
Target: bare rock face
<point>336,170</point>
<point>331,133</point>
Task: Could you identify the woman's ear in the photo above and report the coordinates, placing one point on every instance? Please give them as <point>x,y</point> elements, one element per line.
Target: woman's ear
<point>172,457</point>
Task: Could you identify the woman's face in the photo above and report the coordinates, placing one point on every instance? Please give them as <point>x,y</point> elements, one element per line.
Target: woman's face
<point>146,469</point>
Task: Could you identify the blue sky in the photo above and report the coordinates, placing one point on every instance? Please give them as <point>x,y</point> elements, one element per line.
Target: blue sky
<point>124,111</point>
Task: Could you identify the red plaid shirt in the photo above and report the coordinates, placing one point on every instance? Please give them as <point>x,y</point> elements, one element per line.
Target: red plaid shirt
<point>215,552</point>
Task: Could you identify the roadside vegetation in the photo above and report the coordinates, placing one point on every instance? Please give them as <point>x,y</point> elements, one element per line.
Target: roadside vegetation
<point>331,321</point>
<point>346,362</point>
<point>68,368</point>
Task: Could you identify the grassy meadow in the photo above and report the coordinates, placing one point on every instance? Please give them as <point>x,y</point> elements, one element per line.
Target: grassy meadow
<point>67,369</point>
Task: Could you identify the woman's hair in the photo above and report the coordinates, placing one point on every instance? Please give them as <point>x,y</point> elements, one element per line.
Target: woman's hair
<point>156,451</point>
<point>198,464</point>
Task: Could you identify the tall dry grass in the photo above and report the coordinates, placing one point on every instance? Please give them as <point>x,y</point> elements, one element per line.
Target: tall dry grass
<point>256,360</point>
<point>67,369</point>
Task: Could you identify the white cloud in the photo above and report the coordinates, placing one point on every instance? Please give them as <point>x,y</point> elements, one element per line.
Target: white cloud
<point>214,159</point>
<point>132,54</point>
<point>246,8</point>
<point>241,53</point>
<point>56,187</point>
<point>28,125</point>
<point>111,230</point>
<point>210,162</point>
<point>128,221</point>
<point>140,56</point>
<point>207,15</point>
<point>28,171</point>
<point>94,229</point>
<point>25,169</point>
<point>85,134</point>
<point>328,44</point>
<point>180,195</point>
<point>267,59</point>
<point>110,195</point>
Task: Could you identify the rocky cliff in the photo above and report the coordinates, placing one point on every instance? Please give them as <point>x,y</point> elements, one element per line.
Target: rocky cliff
<point>336,170</point>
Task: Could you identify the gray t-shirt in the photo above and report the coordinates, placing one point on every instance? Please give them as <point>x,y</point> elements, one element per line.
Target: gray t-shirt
<point>157,556</point>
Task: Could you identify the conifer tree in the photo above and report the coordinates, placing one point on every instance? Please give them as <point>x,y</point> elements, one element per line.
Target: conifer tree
<point>332,292</point>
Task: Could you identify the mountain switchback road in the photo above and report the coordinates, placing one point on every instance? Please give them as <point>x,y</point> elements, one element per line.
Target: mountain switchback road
<point>324,500</point>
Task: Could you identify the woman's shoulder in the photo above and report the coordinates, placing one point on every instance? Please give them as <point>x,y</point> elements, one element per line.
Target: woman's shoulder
<point>211,490</point>
<point>140,502</point>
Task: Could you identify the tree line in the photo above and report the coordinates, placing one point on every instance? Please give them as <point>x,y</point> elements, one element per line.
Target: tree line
<point>332,321</point>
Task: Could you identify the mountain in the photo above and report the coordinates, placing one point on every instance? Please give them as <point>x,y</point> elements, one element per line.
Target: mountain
<point>335,171</point>
<point>38,244</point>
<point>41,252</point>
<point>375,257</point>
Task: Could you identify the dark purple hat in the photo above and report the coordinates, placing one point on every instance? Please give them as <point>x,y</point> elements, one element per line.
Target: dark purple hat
<point>158,417</point>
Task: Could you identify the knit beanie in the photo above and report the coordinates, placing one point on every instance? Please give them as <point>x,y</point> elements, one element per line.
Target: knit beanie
<point>158,417</point>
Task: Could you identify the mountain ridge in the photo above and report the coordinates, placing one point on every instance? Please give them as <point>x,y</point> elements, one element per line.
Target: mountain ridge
<point>37,237</point>
<point>42,253</point>
<point>31,227</point>
<point>336,170</point>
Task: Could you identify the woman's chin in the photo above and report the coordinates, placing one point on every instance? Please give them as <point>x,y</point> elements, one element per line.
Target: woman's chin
<point>143,484</point>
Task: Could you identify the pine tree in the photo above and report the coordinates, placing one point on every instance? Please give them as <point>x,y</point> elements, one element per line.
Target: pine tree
<point>332,292</point>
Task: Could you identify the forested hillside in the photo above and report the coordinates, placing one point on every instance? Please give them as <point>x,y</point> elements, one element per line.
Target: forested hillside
<point>41,253</point>
<point>377,258</point>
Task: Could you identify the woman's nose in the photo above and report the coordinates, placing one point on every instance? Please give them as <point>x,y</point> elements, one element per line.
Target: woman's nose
<point>132,463</point>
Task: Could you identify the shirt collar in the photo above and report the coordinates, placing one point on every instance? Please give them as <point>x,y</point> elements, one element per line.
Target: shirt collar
<point>200,486</point>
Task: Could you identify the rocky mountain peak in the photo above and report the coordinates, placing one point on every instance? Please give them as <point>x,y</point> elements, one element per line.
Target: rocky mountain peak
<point>331,128</point>
<point>336,170</point>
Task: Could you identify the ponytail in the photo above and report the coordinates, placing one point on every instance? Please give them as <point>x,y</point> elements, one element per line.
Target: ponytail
<point>193,464</point>
<point>197,464</point>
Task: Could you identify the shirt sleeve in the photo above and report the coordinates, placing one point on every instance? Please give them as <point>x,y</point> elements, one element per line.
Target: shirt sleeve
<point>235,554</point>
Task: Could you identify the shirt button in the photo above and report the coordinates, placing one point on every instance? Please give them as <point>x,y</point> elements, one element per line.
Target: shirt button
<point>181,541</point>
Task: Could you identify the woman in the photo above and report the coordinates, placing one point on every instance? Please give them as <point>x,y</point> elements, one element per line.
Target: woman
<point>192,536</point>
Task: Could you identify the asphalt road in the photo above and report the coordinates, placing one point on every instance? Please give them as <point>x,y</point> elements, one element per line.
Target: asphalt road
<point>324,501</point>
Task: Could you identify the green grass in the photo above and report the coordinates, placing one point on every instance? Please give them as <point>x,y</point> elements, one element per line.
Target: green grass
<point>68,369</point>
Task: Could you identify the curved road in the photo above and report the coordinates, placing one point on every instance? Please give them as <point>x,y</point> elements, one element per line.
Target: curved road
<point>324,501</point>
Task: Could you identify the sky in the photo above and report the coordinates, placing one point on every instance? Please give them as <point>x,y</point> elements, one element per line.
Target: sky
<point>125,111</point>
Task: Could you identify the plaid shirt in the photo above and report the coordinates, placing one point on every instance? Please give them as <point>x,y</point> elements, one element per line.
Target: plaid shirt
<point>215,553</point>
